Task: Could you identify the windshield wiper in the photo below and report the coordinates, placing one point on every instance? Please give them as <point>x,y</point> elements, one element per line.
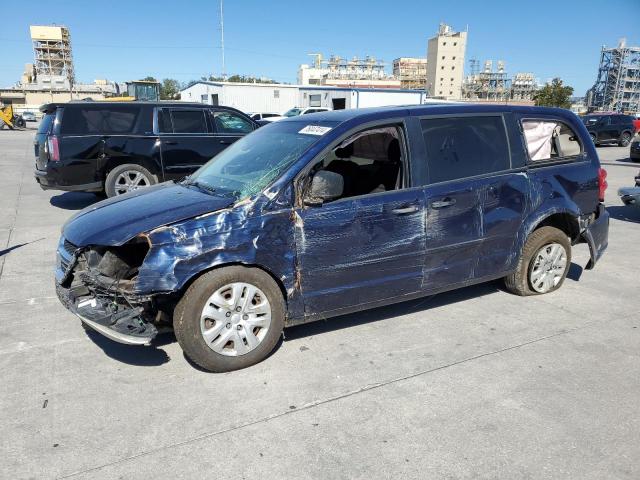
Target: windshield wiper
<point>201,185</point>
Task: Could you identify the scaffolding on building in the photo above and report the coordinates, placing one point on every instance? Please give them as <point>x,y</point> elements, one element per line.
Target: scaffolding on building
<point>523,87</point>
<point>411,71</point>
<point>52,52</point>
<point>617,87</point>
<point>368,68</point>
<point>488,85</point>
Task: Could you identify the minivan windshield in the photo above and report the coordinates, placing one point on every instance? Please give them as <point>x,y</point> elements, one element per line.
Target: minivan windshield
<point>254,161</point>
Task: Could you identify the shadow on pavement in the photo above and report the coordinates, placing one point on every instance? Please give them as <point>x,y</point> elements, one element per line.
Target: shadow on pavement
<point>626,213</point>
<point>74,200</point>
<point>7,250</point>
<point>150,356</point>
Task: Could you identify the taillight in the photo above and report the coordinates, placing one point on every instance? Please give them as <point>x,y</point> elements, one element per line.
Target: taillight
<point>54,148</point>
<point>602,183</point>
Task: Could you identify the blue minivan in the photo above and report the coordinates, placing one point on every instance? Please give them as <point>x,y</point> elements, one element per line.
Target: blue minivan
<point>330,213</point>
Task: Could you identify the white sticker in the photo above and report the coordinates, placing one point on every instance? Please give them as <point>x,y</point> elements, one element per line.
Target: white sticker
<point>315,130</point>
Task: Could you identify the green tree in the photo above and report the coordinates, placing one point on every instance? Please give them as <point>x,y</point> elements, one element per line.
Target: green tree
<point>169,89</point>
<point>554,94</point>
<point>148,79</point>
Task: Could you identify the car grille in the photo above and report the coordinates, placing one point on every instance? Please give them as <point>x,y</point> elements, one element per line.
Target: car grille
<point>69,247</point>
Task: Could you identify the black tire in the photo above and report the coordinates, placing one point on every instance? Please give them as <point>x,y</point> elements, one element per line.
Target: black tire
<point>594,139</point>
<point>518,282</point>
<point>186,318</point>
<point>110,182</point>
<point>625,139</point>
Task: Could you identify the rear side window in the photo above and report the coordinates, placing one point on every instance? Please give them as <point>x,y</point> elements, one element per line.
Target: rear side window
<point>99,120</point>
<point>188,121</point>
<point>465,147</point>
<point>46,123</point>
<point>550,140</point>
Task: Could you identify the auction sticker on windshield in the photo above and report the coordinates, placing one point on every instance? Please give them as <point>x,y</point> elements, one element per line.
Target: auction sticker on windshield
<point>315,130</point>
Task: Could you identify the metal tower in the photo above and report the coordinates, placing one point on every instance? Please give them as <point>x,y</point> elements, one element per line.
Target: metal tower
<point>617,88</point>
<point>52,51</point>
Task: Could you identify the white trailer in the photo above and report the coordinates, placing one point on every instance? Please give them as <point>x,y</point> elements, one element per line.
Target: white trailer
<point>336,98</point>
<point>247,97</point>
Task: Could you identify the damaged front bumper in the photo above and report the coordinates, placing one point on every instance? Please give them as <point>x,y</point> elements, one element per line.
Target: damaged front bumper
<point>99,306</point>
<point>123,325</point>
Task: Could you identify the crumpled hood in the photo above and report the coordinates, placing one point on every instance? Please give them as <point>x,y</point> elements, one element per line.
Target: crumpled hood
<point>117,220</point>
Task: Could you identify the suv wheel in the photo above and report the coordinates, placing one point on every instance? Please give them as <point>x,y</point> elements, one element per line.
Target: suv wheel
<point>230,318</point>
<point>594,139</point>
<point>127,178</point>
<point>543,265</point>
<point>625,139</point>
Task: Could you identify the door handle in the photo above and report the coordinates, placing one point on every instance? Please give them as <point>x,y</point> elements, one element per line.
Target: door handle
<point>405,210</point>
<point>446,202</point>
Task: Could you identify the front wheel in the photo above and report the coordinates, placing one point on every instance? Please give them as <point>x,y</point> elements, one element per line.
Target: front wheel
<point>543,265</point>
<point>230,318</point>
<point>625,139</point>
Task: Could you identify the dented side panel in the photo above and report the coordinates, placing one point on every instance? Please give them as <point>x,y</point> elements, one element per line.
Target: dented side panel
<point>356,251</point>
<point>237,235</point>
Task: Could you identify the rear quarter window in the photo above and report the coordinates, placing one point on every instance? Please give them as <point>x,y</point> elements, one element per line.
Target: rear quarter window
<point>460,147</point>
<point>46,123</point>
<point>99,120</point>
<point>549,140</point>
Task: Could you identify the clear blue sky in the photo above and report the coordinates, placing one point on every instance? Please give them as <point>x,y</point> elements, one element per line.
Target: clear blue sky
<point>128,40</point>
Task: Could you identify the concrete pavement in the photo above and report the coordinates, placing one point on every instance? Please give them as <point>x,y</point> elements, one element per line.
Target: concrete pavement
<point>476,383</point>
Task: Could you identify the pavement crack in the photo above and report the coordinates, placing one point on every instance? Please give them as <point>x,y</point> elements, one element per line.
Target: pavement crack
<point>317,403</point>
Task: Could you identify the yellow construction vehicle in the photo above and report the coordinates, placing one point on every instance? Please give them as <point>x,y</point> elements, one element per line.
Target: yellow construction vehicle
<point>139,90</point>
<point>8,118</point>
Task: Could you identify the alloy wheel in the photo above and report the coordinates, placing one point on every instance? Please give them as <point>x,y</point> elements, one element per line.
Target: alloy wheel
<point>130,180</point>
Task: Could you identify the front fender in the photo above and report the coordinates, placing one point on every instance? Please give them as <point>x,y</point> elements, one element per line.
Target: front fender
<point>237,235</point>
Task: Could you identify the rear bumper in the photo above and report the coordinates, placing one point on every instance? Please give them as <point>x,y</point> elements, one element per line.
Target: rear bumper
<point>47,183</point>
<point>596,235</point>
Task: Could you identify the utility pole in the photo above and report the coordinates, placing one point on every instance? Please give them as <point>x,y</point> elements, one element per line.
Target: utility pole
<point>224,70</point>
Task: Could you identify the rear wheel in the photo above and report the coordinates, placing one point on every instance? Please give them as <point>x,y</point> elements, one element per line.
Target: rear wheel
<point>625,139</point>
<point>543,265</point>
<point>230,318</point>
<point>127,178</point>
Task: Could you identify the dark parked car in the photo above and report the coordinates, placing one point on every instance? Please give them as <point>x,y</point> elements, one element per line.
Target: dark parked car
<point>29,117</point>
<point>117,147</point>
<point>634,149</point>
<point>610,128</point>
<point>330,213</point>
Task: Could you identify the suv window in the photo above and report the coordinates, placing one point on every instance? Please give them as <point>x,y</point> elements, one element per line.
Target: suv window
<point>550,140</point>
<point>465,147</point>
<point>46,122</point>
<point>188,121</point>
<point>230,123</point>
<point>98,119</point>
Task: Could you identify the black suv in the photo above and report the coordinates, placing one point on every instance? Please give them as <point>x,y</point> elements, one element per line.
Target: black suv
<point>609,128</point>
<point>116,147</point>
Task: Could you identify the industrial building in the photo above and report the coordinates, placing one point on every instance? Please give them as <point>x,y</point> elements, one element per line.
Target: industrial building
<point>278,98</point>
<point>411,71</point>
<point>341,72</point>
<point>445,63</point>
<point>617,86</point>
<point>491,85</point>
<point>51,76</point>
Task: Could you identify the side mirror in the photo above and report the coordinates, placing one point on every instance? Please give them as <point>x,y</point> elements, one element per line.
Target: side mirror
<point>325,186</point>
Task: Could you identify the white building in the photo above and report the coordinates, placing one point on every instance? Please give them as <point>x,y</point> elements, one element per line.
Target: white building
<point>248,97</point>
<point>278,98</point>
<point>445,63</point>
